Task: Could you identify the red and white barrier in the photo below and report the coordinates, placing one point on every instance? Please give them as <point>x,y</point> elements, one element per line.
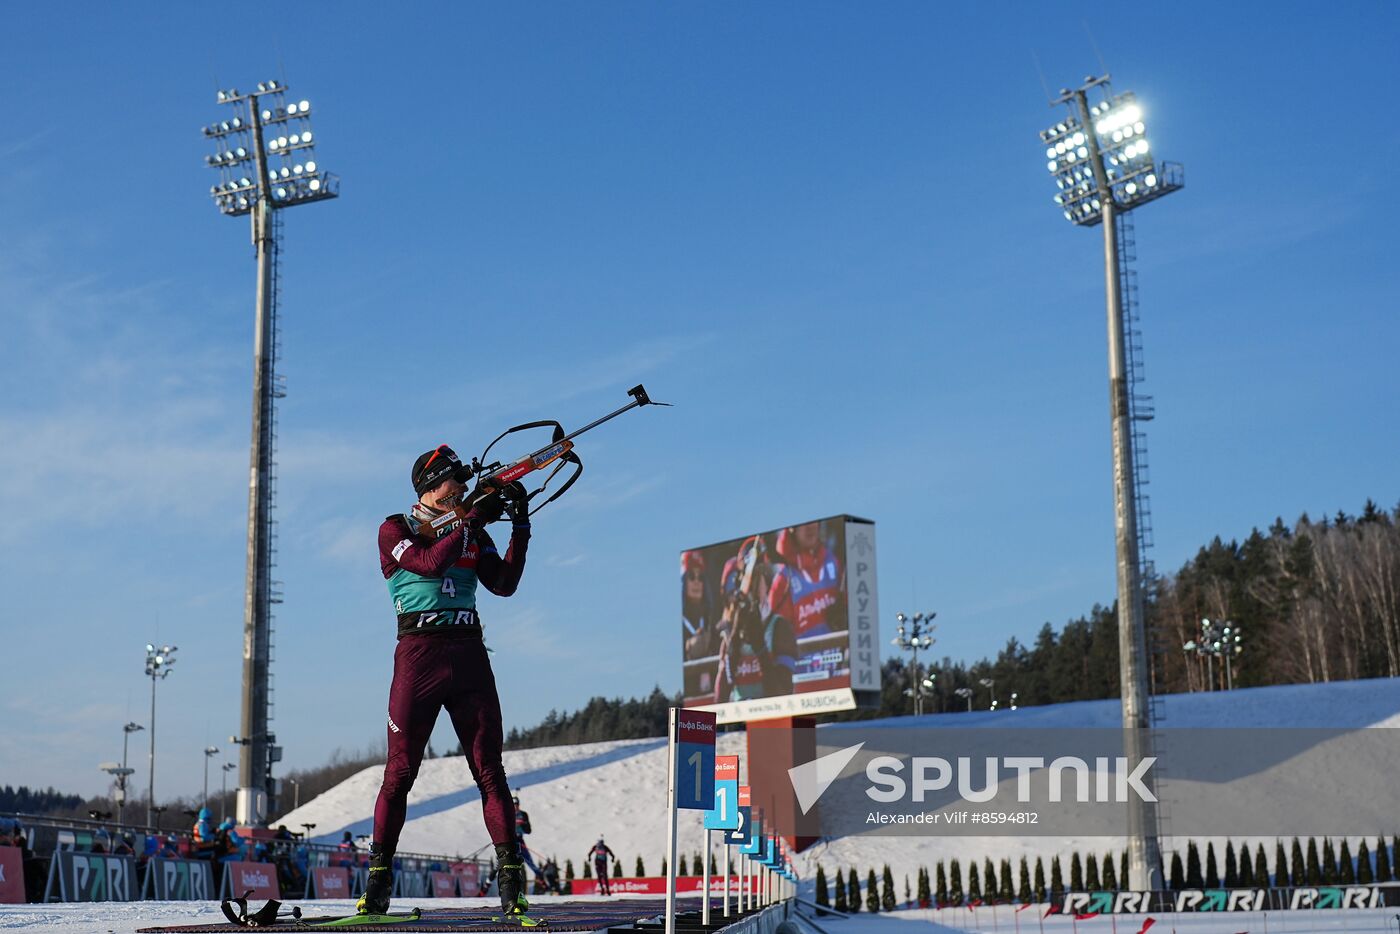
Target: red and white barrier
<point>11,875</point>
<point>240,877</point>
<point>329,882</point>
<point>654,885</point>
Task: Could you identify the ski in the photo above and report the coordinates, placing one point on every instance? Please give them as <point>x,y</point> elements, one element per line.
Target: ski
<point>269,915</point>
<point>357,920</point>
<point>524,921</point>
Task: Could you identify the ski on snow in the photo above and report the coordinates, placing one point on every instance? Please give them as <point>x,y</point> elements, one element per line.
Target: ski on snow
<point>271,915</point>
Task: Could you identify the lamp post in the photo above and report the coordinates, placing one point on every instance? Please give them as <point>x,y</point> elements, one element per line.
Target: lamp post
<point>965,693</point>
<point>1202,651</point>
<point>1014,695</point>
<point>223,796</point>
<point>915,633</point>
<point>269,138</point>
<point>1103,167</point>
<point>158,664</point>
<point>119,772</point>
<point>1222,640</point>
<point>209,751</point>
<point>296,793</point>
<point>990,685</point>
<point>127,730</point>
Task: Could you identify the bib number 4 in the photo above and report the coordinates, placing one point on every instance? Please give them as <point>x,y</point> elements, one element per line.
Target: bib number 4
<point>449,587</point>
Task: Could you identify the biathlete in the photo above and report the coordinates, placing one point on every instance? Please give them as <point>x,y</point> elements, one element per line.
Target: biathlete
<point>522,827</point>
<point>441,661</point>
<point>600,854</point>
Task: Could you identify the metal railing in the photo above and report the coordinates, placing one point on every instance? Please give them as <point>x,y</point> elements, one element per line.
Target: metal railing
<point>44,835</point>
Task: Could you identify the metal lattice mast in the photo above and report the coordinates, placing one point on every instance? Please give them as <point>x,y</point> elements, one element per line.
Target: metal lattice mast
<point>274,146</point>
<point>1102,165</point>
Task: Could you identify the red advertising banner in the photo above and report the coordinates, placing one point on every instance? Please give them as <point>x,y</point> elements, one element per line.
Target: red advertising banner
<point>11,876</point>
<point>696,726</point>
<point>261,878</point>
<point>469,877</point>
<point>330,882</point>
<point>656,885</point>
<point>726,768</point>
<point>744,797</point>
<point>445,885</point>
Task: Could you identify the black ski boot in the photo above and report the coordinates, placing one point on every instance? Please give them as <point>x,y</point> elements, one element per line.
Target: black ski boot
<point>375,900</point>
<point>510,880</point>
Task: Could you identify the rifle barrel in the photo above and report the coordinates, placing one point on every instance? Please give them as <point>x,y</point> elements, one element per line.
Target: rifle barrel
<point>594,424</point>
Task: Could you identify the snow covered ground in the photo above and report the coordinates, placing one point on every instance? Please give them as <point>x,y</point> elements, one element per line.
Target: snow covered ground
<point>126,917</point>
<point>1007,920</point>
<point>617,789</point>
<point>574,794</point>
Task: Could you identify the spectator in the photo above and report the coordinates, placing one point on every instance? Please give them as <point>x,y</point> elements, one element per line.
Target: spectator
<point>101,841</point>
<point>284,834</point>
<point>349,852</point>
<point>125,845</point>
<point>36,869</point>
<point>260,853</point>
<point>169,848</point>
<point>230,844</point>
<point>206,844</point>
<point>289,876</point>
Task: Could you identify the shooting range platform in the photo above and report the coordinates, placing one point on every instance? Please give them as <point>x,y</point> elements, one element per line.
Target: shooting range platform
<point>560,916</point>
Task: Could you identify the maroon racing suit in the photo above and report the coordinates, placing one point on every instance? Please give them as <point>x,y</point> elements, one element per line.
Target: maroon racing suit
<point>440,666</point>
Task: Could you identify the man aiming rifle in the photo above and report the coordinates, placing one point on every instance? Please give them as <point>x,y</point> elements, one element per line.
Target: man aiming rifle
<point>441,661</point>
<point>433,557</point>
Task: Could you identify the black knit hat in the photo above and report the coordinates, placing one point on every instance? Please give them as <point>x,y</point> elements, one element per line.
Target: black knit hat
<point>435,466</point>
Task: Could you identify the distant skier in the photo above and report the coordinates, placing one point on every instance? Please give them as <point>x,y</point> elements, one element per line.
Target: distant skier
<point>522,827</point>
<point>549,877</point>
<point>600,854</point>
<point>441,660</point>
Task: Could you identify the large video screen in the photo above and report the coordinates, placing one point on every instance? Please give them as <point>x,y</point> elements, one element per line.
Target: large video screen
<point>781,622</point>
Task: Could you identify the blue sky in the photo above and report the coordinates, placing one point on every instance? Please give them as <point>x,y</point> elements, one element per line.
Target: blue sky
<point>824,231</point>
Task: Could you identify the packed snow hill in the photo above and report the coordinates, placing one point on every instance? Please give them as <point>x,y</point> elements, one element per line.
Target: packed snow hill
<point>617,790</point>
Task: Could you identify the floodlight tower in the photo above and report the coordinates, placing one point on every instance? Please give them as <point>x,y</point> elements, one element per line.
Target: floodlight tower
<point>158,664</point>
<point>265,160</point>
<point>1101,161</point>
<point>916,636</point>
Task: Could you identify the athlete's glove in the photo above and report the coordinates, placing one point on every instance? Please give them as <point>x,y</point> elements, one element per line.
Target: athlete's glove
<point>748,621</point>
<point>517,502</point>
<point>486,503</point>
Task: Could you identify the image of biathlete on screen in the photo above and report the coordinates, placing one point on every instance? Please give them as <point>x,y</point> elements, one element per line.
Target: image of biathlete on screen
<point>765,616</point>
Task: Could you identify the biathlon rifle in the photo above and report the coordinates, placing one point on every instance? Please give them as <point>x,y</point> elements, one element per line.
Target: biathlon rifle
<point>495,477</point>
